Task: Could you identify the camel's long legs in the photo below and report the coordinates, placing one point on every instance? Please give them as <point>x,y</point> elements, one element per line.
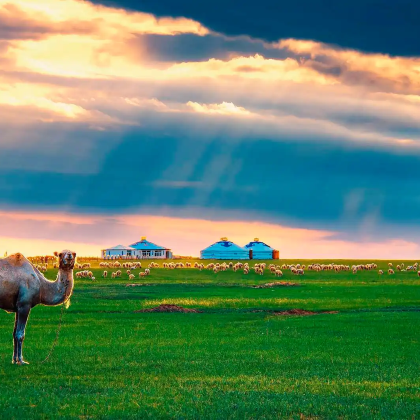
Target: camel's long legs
<point>19,335</point>
<point>15,355</point>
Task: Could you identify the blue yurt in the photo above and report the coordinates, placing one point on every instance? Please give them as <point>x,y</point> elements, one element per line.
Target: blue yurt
<point>224,250</point>
<point>261,251</point>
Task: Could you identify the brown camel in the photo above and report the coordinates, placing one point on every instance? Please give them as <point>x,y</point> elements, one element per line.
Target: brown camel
<point>22,287</point>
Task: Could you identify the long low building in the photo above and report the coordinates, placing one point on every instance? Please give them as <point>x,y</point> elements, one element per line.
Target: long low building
<point>118,251</point>
<point>142,249</point>
<point>146,249</point>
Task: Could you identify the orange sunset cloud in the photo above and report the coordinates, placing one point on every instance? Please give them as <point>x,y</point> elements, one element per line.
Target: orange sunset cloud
<point>196,234</point>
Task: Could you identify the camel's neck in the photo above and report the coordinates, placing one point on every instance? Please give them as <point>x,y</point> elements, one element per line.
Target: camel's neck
<point>59,291</point>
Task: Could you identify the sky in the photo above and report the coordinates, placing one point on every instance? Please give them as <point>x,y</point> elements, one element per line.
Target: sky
<point>295,122</point>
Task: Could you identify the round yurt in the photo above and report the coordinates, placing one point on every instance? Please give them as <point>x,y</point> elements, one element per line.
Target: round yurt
<point>224,250</point>
<point>261,251</point>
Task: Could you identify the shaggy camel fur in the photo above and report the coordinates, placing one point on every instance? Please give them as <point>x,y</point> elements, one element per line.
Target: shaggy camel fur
<point>22,287</point>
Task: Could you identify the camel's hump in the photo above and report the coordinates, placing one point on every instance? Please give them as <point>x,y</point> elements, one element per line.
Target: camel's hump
<point>16,259</point>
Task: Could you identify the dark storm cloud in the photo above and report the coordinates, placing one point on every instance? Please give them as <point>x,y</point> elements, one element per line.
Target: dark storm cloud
<point>190,47</point>
<point>323,185</point>
<point>387,26</point>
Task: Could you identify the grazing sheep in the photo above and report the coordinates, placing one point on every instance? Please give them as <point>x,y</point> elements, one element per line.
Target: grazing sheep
<point>258,270</point>
<point>105,274</point>
<point>380,272</point>
<point>390,271</point>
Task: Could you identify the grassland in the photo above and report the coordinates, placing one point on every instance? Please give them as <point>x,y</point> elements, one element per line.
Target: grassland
<point>234,360</point>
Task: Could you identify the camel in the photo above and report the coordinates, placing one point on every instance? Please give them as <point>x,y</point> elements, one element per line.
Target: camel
<point>22,287</point>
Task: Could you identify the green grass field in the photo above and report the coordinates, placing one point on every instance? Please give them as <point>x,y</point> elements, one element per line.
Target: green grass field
<point>234,360</point>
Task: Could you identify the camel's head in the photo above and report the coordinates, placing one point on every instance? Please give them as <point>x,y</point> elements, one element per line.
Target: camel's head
<point>66,259</point>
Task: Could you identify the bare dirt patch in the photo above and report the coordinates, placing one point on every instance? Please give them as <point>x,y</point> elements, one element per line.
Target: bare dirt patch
<point>276,284</point>
<point>169,308</point>
<point>301,312</point>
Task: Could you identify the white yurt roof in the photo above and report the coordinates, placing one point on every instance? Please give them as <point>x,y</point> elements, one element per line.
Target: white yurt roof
<point>257,245</point>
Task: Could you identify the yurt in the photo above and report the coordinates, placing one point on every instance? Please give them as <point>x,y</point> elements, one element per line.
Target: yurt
<point>146,249</point>
<point>118,251</point>
<point>224,250</point>
<point>261,251</point>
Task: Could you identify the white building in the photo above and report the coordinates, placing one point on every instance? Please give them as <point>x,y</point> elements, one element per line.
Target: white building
<point>224,250</point>
<point>142,249</point>
<point>261,251</point>
<point>145,249</point>
<point>118,251</point>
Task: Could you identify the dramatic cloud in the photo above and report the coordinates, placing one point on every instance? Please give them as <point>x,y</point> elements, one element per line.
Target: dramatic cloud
<point>387,27</point>
<point>226,108</point>
<point>111,112</point>
<point>190,47</point>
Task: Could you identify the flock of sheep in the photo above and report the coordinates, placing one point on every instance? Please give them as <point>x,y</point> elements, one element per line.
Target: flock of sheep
<point>400,267</point>
<point>259,268</point>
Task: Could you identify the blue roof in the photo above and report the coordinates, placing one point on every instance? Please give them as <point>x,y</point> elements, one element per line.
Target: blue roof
<point>119,247</point>
<point>145,244</point>
<point>224,246</point>
<point>258,246</point>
